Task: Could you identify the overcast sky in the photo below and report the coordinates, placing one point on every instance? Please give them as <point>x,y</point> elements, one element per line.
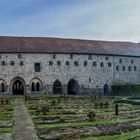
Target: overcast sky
<point>85,19</point>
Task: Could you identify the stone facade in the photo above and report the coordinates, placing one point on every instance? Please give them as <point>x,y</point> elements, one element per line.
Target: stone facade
<point>80,73</point>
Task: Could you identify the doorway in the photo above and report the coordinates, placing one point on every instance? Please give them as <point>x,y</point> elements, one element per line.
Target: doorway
<point>18,88</point>
<point>73,87</point>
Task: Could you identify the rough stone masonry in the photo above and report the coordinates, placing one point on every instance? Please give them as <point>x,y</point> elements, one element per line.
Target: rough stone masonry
<point>33,66</point>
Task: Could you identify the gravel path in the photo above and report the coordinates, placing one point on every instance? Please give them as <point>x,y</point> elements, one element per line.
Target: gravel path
<point>24,128</point>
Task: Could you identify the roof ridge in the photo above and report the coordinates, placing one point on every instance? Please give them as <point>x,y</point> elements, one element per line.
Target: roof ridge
<point>61,38</point>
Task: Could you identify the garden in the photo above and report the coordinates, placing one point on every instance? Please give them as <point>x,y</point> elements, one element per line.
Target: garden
<point>87,118</point>
<point>6,117</point>
<point>75,117</point>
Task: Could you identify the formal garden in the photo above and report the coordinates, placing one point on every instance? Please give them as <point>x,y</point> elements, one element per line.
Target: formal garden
<point>84,118</point>
<point>7,106</point>
<point>75,117</point>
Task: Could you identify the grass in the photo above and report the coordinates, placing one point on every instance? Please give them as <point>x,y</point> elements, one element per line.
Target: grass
<point>6,129</point>
<point>6,118</point>
<point>123,136</point>
<point>7,112</point>
<point>59,115</point>
<point>87,123</point>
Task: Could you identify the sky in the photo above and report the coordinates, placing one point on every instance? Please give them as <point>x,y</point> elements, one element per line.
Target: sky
<point>80,19</point>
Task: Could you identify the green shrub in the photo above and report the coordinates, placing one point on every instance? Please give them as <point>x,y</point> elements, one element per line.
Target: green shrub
<point>126,89</point>
<point>91,115</point>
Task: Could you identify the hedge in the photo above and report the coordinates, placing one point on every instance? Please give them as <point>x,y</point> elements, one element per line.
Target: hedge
<point>126,89</point>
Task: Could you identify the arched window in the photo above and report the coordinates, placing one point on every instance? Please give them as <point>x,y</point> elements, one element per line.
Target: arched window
<point>135,68</point>
<point>50,63</point>
<point>106,89</point>
<point>12,63</point>
<point>129,68</point>
<point>123,68</point>
<point>117,68</point>
<point>67,63</point>
<point>120,60</point>
<point>58,63</point>
<point>85,63</point>
<point>2,87</point>
<point>37,86</point>
<point>33,86</point>
<point>94,64</point>
<point>106,58</point>
<point>76,63</point>
<point>132,61</point>
<point>109,64</point>
<point>54,56</point>
<point>102,64</point>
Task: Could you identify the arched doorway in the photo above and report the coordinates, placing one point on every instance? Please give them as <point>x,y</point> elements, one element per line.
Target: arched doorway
<point>106,89</point>
<point>57,87</point>
<point>18,86</point>
<point>73,87</point>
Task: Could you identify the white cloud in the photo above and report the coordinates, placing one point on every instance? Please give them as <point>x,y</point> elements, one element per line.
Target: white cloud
<point>98,19</point>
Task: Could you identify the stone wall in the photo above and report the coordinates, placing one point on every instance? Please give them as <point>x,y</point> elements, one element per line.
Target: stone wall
<point>88,77</point>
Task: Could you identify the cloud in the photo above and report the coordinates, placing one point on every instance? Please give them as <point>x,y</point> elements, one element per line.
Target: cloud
<point>98,19</point>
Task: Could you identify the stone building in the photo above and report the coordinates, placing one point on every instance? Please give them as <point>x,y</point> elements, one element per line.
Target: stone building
<point>36,65</point>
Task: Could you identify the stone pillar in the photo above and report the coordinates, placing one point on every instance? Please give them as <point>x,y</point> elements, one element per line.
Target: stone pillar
<point>27,90</point>
<point>9,90</point>
<point>49,90</point>
<point>64,89</point>
<point>90,92</point>
<point>44,90</point>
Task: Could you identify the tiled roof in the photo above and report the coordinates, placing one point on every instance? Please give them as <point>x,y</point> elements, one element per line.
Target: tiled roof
<point>59,45</point>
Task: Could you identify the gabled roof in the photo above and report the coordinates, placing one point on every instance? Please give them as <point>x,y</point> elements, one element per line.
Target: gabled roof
<point>59,45</point>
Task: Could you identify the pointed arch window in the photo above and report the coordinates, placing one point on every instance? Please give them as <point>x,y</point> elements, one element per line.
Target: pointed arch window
<point>33,86</point>
<point>37,86</point>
